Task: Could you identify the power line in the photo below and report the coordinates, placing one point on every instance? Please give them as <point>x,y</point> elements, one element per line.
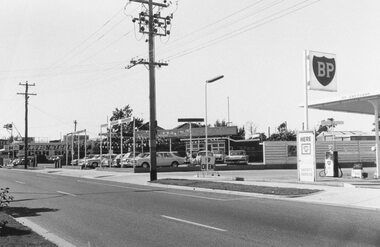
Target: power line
<point>222,23</point>
<point>88,38</point>
<point>244,29</point>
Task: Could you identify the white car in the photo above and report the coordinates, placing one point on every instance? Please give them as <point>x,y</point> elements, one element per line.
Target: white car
<point>126,161</point>
<point>163,159</point>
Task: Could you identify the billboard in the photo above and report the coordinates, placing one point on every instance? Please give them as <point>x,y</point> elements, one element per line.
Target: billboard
<point>322,71</point>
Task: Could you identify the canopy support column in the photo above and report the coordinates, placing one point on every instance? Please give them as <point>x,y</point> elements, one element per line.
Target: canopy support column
<point>376,109</point>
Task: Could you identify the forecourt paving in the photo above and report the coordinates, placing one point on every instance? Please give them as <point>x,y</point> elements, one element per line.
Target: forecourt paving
<point>345,192</point>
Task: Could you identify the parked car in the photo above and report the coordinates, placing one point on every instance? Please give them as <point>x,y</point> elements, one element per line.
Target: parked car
<point>219,156</point>
<point>21,161</point>
<point>74,162</point>
<point>107,159</point>
<point>91,161</point>
<point>237,157</point>
<point>126,160</point>
<point>116,162</point>
<point>163,159</point>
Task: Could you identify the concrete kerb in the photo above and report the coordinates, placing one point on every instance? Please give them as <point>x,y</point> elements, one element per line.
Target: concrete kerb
<point>333,194</point>
<point>44,233</point>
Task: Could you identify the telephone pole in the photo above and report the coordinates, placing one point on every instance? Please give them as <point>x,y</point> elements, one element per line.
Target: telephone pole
<point>26,94</point>
<point>152,24</point>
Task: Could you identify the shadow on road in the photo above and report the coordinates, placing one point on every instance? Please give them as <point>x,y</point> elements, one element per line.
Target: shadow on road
<point>27,212</point>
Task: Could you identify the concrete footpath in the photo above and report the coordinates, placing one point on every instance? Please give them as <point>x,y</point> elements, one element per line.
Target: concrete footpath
<point>344,192</point>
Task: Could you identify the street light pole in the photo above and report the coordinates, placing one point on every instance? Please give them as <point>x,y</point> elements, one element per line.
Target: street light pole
<point>206,137</point>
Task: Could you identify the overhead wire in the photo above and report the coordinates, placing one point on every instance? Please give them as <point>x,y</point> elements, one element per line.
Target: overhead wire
<point>244,29</point>
<point>225,25</point>
<point>68,54</point>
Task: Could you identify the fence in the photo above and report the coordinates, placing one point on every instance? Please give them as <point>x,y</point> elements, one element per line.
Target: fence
<point>349,152</point>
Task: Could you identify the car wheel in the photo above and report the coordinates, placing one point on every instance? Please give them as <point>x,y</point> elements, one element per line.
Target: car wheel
<point>145,165</point>
<point>175,164</point>
<point>95,164</point>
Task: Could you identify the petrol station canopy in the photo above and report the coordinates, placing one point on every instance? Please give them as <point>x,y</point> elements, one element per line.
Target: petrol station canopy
<point>358,103</point>
<point>365,103</point>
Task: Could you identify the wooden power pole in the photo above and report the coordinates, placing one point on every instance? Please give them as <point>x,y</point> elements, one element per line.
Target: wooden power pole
<point>152,24</point>
<point>26,94</point>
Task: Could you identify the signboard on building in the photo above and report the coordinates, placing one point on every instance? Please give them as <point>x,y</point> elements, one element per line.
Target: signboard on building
<point>306,161</point>
<point>322,71</point>
<point>196,132</point>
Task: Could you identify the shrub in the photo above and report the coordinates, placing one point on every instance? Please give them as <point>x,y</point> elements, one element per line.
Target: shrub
<point>5,199</point>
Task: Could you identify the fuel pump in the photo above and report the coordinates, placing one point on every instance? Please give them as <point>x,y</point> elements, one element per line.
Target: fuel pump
<point>332,168</point>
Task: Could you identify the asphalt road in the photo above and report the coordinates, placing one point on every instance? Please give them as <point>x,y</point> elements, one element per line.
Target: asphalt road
<point>89,212</point>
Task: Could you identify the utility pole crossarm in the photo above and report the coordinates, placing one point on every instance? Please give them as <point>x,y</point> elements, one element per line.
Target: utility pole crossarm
<point>153,3</point>
<point>144,62</point>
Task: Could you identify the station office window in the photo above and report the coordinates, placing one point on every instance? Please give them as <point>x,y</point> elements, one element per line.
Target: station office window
<point>292,150</point>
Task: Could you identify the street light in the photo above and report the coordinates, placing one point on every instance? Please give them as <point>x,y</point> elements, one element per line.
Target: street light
<point>207,82</point>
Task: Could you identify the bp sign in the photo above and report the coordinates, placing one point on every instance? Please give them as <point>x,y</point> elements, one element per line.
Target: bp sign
<point>322,71</point>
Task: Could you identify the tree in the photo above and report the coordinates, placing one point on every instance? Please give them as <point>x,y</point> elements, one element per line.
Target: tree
<point>219,123</point>
<point>283,134</point>
<point>262,137</point>
<point>240,134</point>
<point>121,113</point>
<point>329,125</point>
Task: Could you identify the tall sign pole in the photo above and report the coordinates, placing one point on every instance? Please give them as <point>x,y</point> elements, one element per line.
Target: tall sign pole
<point>26,94</point>
<point>152,24</point>
<point>306,59</point>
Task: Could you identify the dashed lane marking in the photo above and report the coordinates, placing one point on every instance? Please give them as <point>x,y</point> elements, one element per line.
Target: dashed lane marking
<point>66,193</point>
<point>193,223</point>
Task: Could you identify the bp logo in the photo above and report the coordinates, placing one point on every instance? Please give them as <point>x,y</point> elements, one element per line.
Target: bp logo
<point>324,69</point>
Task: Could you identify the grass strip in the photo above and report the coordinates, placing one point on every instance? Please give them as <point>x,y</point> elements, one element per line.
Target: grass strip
<point>291,192</point>
<point>16,234</point>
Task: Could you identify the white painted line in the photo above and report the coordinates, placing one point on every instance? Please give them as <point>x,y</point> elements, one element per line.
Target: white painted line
<point>19,182</point>
<point>65,193</point>
<point>193,223</point>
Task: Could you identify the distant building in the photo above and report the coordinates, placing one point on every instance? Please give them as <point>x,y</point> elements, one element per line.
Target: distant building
<point>3,142</point>
<point>345,136</point>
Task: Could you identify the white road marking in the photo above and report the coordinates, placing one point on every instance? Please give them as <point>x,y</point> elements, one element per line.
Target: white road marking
<point>66,193</point>
<point>19,182</point>
<point>193,223</point>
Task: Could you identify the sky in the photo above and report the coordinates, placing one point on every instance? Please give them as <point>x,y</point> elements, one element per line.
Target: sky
<point>75,52</point>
